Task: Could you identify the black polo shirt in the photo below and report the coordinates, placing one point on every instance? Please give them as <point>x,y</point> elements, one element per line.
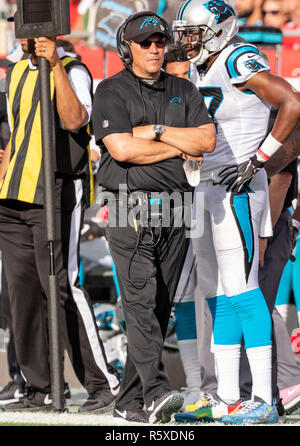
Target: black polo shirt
<point>124,101</point>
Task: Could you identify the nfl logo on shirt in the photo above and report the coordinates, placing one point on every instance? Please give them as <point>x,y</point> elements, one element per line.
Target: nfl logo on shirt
<point>105,124</point>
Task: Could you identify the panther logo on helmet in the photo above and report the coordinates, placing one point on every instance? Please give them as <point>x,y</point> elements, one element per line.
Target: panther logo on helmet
<point>221,10</point>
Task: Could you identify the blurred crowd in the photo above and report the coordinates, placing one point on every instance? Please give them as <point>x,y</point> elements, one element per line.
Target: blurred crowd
<point>282,14</point>
<point>95,22</point>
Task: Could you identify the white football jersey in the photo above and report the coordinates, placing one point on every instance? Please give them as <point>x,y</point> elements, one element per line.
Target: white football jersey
<point>241,118</point>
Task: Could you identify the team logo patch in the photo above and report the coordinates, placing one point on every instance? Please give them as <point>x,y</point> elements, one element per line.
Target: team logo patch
<point>222,10</point>
<point>176,100</point>
<point>253,65</point>
<point>105,124</point>
<point>149,21</point>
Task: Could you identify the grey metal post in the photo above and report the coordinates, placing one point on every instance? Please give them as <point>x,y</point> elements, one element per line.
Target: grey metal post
<point>54,325</point>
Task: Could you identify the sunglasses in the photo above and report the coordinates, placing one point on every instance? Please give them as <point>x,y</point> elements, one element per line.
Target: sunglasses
<point>146,44</point>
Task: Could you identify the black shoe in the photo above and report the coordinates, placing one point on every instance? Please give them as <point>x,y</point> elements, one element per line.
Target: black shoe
<point>67,394</point>
<point>99,402</point>
<point>33,401</point>
<point>134,416</point>
<point>164,406</point>
<point>11,393</point>
<point>280,411</point>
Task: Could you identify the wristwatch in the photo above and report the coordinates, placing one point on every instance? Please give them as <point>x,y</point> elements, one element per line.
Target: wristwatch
<point>158,130</point>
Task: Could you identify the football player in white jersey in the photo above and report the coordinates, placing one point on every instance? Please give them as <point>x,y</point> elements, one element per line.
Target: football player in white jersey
<point>238,88</point>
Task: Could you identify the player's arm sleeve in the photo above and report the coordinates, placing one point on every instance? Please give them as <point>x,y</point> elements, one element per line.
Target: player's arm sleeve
<point>244,63</point>
<point>81,83</point>
<point>197,113</point>
<point>110,114</point>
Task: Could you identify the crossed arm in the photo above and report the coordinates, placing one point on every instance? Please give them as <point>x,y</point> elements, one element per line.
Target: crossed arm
<point>140,147</point>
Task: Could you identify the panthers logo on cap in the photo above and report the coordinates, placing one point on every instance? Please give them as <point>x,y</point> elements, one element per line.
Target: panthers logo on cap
<point>149,21</point>
<point>222,10</point>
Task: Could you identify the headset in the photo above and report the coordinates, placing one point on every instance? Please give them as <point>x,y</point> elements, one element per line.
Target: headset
<point>123,48</point>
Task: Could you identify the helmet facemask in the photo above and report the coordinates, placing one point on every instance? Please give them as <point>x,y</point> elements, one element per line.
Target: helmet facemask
<point>190,42</point>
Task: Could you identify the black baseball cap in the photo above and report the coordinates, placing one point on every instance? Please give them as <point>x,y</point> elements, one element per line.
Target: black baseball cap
<point>141,28</point>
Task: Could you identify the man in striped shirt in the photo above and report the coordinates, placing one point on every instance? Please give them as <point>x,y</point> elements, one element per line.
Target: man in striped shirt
<point>23,239</point>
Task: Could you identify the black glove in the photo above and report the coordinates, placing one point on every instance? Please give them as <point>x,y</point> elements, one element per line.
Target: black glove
<point>240,175</point>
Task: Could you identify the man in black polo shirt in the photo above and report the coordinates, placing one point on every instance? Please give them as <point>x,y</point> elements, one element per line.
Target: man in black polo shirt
<point>146,123</point>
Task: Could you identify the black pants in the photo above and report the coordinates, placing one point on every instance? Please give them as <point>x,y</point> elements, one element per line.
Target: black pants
<point>24,247</point>
<point>148,278</point>
<point>12,362</point>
